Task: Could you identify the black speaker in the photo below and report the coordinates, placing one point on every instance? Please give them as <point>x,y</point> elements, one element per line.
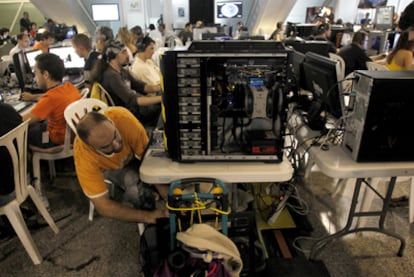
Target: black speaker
<point>379,125</point>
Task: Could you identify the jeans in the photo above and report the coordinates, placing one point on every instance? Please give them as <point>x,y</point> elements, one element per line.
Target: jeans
<point>140,195</point>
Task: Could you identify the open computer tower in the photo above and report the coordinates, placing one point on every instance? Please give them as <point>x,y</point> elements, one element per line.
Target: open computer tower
<point>379,125</point>
<point>226,100</point>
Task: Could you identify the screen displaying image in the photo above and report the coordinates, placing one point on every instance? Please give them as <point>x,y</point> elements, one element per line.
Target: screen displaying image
<point>70,59</point>
<point>384,17</point>
<point>105,12</point>
<point>31,57</point>
<point>370,4</point>
<point>315,14</point>
<point>229,9</point>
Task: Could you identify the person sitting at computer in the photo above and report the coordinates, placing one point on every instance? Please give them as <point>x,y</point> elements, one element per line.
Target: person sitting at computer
<point>103,34</point>
<point>125,36</point>
<point>354,54</point>
<point>323,33</point>
<point>47,39</point>
<point>143,68</point>
<point>47,125</point>
<point>279,32</point>
<point>83,47</point>
<point>186,35</point>
<point>124,89</point>
<point>401,56</point>
<point>23,43</point>
<point>9,119</point>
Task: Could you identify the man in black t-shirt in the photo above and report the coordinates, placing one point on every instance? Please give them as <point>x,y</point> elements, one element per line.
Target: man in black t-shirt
<point>9,119</point>
<point>354,54</point>
<point>83,47</point>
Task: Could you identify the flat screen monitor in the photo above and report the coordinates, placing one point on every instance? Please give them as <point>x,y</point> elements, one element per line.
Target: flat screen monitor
<point>376,43</point>
<point>305,30</point>
<point>215,36</point>
<point>315,14</point>
<point>105,12</point>
<point>384,17</point>
<point>233,9</point>
<point>394,40</point>
<point>371,4</point>
<point>315,46</point>
<point>298,58</point>
<point>71,60</point>
<point>198,32</point>
<point>31,57</point>
<point>321,76</point>
<point>256,37</point>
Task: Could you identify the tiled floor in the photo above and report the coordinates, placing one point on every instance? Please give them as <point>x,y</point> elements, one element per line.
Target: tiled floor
<point>107,247</point>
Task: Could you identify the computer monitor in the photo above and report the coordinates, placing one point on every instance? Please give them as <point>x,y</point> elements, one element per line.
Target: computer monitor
<point>198,32</point>
<point>298,59</point>
<point>215,36</point>
<point>229,9</point>
<point>393,39</point>
<point>22,70</point>
<point>315,46</point>
<point>384,18</point>
<point>321,76</point>
<point>256,37</point>
<point>31,57</point>
<point>73,63</point>
<point>305,30</point>
<point>376,42</point>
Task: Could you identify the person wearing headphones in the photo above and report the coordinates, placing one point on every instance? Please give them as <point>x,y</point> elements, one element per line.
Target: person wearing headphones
<point>143,68</point>
<point>323,33</point>
<point>124,89</point>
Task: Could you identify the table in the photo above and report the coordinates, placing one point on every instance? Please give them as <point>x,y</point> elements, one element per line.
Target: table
<point>336,163</point>
<point>157,168</point>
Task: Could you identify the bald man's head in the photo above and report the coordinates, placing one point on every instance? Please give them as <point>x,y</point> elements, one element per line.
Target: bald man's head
<point>98,131</point>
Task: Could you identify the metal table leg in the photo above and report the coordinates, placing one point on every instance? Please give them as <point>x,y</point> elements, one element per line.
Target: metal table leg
<point>348,229</point>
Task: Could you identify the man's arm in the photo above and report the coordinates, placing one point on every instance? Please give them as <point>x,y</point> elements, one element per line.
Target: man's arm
<point>109,208</point>
<point>32,118</point>
<point>148,100</point>
<point>27,96</point>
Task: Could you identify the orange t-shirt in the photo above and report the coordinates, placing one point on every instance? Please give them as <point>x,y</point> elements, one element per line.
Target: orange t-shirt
<point>41,46</point>
<point>52,106</point>
<point>90,165</point>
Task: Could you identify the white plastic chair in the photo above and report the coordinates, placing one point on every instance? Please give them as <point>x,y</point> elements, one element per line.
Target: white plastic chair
<point>50,154</point>
<point>341,61</point>
<point>73,113</point>
<point>373,66</point>
<point>84,93</point>
<point>16,143</point>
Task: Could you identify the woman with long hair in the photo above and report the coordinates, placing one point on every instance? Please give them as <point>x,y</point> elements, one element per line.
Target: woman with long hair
<point>401,57</point>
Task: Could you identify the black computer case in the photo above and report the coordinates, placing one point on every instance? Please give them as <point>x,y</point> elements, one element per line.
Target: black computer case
<point>379,125</point>
<point>226,100</point>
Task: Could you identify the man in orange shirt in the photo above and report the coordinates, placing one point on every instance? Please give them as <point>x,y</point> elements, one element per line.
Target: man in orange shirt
<point>47,124</point>
<point>47,40</point>
<point>110,145</point>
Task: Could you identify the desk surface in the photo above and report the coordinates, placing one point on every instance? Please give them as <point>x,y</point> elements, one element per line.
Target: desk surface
<point>336,163</point>
<point>157,168</point>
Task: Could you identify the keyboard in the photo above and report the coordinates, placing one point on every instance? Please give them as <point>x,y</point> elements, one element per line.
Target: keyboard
<point>20,105</point>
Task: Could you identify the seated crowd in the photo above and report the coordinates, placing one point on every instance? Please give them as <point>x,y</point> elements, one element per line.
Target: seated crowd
<point>123,65</point>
